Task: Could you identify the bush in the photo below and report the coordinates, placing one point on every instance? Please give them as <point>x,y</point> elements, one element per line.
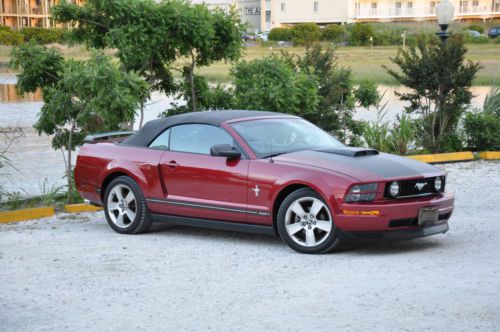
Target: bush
<point>476,27</point>
<point>476,40</point>
<point>10,37</point>
<point>306,33</point>
<point>280,34</point>
<point>42,36</point>
<point>387,37</point>
<point>482,131</point>
<point>361,34</point>
<point>366,94</point>
<point>333,33</point>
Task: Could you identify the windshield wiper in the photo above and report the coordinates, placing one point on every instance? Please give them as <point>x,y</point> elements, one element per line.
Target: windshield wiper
<point>274,154</point>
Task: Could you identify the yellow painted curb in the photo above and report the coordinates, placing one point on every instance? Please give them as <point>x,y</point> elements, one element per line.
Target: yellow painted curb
<point>76,208</point>
<point>444,157</point>
<point>26,214</point>
<point>489,155</point>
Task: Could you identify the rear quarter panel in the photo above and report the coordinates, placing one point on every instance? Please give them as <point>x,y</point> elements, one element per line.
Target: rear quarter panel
<point>95,162</point>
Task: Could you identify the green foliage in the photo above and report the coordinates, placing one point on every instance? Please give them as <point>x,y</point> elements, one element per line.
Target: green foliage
<point>271,84</point>
<point>366,94</point>
<point>333,33</point>
<point>477,40</point>
<point>388,37</point>
<point>377,133</point>
<point>151,36</point>
<point>306,33</point>
<point>439,80</point>
<point>476,27</point>
<point>402,134</point>
<point>80,97</point>
<point>42,35</point>
<point>10,37</point>
<point>49,193</point>
<point>361,34</point>
<point>482,129</point>
<point>280,34</point>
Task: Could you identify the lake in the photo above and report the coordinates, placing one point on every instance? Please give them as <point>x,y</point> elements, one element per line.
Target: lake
<point>35,160</point>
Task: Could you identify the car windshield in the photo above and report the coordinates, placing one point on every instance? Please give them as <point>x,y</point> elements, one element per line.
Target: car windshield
<point>272,137</point>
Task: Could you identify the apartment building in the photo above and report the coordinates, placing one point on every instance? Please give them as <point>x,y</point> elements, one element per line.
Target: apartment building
<point>415,10</point>
<point>27,13</point>
<point>263,15</point>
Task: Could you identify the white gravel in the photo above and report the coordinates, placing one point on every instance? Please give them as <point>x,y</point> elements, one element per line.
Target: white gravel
<point>73,273</point>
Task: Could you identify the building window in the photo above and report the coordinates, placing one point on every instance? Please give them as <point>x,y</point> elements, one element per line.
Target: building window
<point>432,7</point>
<point>357,8</point>
<point>464,6</point>
<point>283,8</point>
<point>373,9</point>
<point>409,8</point>
<point>397,6</point>
<point>316,6</point>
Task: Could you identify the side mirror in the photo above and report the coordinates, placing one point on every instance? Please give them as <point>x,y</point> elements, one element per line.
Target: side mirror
<point>225,150</point>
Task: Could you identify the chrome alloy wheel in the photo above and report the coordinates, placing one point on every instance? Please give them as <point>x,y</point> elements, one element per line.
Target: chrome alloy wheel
<point>122,206</point>
<point>308,221</point>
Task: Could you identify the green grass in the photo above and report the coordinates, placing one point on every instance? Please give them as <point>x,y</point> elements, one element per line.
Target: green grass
<point>365,62</point>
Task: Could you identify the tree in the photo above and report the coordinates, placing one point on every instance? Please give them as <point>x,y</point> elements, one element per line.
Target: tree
<point>306,33</point>
<point>80,97</point>
<point>280,34</point>
<point>151,36</point>
<point>333,33</point>
<point>271,84</point>
<point>439,79</point>
<point>361,34</point>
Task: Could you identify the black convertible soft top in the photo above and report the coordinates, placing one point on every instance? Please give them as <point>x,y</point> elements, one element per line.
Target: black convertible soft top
<point>153,128</point>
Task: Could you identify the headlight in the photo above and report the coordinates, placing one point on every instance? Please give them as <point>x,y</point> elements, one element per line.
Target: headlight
<point>394,189</point>
<point>438,184</point>
<point>362,193</point>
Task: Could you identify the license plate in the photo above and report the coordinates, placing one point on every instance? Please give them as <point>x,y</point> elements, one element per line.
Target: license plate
<point>427,215</point>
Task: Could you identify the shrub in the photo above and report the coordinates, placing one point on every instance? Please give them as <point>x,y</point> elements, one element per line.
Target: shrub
<point>387,37</point>
<point>366,94</point>
<point>280,34</point>
<point>402,134</point>
<point>482,131</point>
<point>333,33</point>
<point>306,33</point>
<point>476,40</point>
<point>42,36</point>
<point>361,34</point>
<point>476,27</point>
<point>10,37</point>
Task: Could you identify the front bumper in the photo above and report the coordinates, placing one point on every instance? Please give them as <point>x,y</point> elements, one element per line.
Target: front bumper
<point>390,215</point>
<point>394,235</point>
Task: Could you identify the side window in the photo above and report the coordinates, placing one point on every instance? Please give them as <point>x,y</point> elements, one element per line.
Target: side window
<point>197,138</point>
<point>161,142</point>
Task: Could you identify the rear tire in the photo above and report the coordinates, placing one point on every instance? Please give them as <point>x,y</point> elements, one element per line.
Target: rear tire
<point>305,223</point>
<point>125,207</point>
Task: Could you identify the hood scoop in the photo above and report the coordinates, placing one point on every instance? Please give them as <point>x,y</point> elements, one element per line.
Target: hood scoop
<point>350,152</point>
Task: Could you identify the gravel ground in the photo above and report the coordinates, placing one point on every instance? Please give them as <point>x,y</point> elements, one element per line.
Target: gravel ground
<point>73,273</point>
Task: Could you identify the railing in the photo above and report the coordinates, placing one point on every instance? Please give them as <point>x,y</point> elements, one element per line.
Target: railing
<point>388,12</point>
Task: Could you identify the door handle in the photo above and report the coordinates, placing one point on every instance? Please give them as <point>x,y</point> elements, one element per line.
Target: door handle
<point>172,164</point>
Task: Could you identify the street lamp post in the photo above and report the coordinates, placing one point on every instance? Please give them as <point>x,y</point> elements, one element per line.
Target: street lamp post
<point>444,12</point>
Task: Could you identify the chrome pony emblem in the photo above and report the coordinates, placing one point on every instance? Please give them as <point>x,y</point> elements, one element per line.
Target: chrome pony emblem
<point>256,190</point>
<point>420,185</point>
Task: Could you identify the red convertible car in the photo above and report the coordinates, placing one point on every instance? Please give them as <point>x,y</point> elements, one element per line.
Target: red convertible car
<point>260,172</point>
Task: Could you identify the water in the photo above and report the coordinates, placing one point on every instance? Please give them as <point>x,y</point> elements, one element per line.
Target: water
<point>35,160</point>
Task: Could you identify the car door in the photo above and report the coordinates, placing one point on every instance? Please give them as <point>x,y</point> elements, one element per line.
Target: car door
<point>198,184</point>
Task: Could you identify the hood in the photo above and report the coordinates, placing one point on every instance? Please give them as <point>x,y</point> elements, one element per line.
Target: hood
<point>365,165</point>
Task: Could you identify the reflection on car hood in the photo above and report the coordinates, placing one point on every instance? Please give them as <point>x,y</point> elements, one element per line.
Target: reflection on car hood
<point>365,168</point>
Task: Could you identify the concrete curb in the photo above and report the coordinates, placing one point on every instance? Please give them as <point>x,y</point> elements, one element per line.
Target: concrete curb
<point>444,157</point>
<point>26,214</point>
<point>77,208</point>
<point>489,155</point>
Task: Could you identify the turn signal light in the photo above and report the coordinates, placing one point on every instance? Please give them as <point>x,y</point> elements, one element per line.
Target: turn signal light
<point>361,213</point>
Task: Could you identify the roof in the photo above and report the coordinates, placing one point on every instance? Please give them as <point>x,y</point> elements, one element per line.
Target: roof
<point>155,127</point>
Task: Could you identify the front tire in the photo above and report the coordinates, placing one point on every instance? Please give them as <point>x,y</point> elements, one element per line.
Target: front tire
<point>125,207</point>
<point>305,223</point>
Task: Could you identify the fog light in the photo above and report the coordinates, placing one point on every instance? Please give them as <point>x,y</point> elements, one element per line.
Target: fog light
<point>394,189</point>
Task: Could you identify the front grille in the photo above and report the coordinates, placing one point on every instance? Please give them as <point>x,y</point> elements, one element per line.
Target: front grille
<point>410,222</point>
<point>410,188</point>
